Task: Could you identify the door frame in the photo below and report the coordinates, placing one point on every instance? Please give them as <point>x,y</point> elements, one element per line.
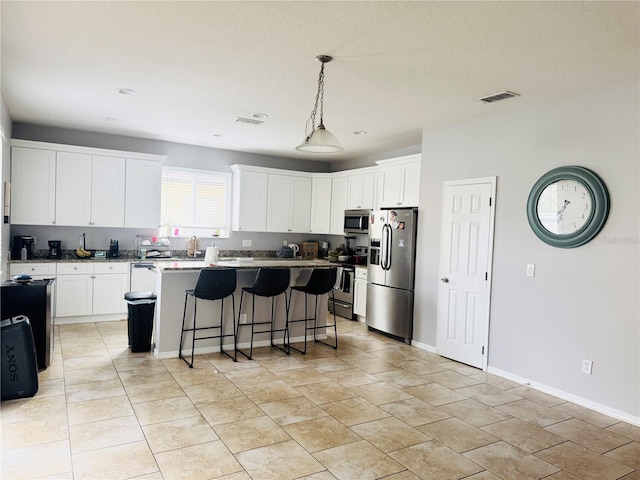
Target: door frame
<point>493,181</point>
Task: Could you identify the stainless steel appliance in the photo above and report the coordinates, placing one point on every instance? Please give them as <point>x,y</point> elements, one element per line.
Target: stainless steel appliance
<point>342,301</point>
<point>356,221</point>
<point>20,242</point>
<point>391,271</point>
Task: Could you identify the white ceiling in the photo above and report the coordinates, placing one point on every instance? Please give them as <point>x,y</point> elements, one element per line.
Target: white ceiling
<point>398,66</point>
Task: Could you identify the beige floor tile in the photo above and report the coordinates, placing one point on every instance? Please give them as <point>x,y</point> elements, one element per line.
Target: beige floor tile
<point>389,434</point>
<point>156,411</point>
<point>145,392</point>
<point>36,461</point>
<point>195,376</point>
<point>34,431</point>
<point>354,411</point>
<point>523,435</point>
<point>88,375</point>
<point>531,412</point>
<point>414,412</point>
<point>145,375</point>
<point>450,379</point>
<point>106,433</point>
<point>52,372</point>
<point>175,364</point>
<point>628,454</point>
<point>115,463</point>
<point>351,377</point>
<point>402,378</point>
<point>510,462</point>
<point>404,475</point>
<point>82,330</point>
<point>583,463</point>
<point>35,408</point>
<point>324,475</point>
<point>320,434</point>
<point>116,340</point>
<point>586,415</point>
<point>433,461</point>
<point>229,410</point>
<point>626,429</point>
<point>90,361</point>
<point>536,396</point>
<point>132,363</point>
<point>327,364</point>
<point>325,392</point>
<point>494,380</point>
<point>396,353</point>
<point>475,413</point>
<point>84,350</point>
<point>359,460</point>
<point>257,374</point>
<point>420,367</point>
<point>251,433</point>
<point>281,461</point>
<point>562,475</point>
<point>210,392</point>
<point>269,391</point>
<point>96,410</point>
<point>292,410</point>
<point>435,394</point>
<point>281,364</point>
<point>49,388</point>
<point>486,475</point>
<point>587,435</point>
<point>302,376</point>
<point>198,462</point>
<point>373,365</point>
<point>93,391</point>
<point>457,434</point>
<point>175,434</point>
<point>488,394</point>
<point>381,392</point>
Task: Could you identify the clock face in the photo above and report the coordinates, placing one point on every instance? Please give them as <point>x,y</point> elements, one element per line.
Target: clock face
<point>565,206</point>
<point>568,206</point>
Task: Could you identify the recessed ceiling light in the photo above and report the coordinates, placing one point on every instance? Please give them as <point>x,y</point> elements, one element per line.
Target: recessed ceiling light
<point>126,91</point>
<point>109,119</point>
<point>250,121</point>
<point>216,135</point>
<point>359,132</point>
<point>260,115</point>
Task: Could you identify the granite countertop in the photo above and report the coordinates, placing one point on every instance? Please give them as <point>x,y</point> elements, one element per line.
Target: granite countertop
<point>246,263</point>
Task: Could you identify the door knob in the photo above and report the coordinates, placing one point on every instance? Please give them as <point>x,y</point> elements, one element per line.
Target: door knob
<point>444,279</point>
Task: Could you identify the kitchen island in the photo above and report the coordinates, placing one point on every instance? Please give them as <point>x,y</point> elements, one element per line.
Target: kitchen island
<point>173,278</point>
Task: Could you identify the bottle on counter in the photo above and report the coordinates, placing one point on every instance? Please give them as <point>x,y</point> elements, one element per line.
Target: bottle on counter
<point>23,253</point>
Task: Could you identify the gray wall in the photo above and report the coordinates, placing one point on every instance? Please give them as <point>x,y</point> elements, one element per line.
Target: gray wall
<point>5,135</point>
<point>583,302</point>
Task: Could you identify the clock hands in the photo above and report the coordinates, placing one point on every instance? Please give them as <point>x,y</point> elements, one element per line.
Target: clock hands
<point>561,211</point>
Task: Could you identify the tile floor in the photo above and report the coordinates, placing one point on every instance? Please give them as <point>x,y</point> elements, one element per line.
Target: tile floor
<point>375,408</point>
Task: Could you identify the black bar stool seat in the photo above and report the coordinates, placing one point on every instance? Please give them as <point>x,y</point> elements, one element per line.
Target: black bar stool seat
<point>269,283</point>
<point>321,282</point>
<point>213,284</point>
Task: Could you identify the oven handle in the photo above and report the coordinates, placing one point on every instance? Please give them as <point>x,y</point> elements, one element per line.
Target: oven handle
<point>340,303</point>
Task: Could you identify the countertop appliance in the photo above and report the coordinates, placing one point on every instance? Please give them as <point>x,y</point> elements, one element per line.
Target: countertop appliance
<point>356,221</point>
<point>391,271</point>
<point>23,241</point>
<point>55,249</point>
<point>34,301</point>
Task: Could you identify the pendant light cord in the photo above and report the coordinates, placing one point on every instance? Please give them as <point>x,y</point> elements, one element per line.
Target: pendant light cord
<point>320,101</point>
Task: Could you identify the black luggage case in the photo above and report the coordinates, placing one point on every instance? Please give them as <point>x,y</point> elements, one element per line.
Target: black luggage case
<point>19,364</point>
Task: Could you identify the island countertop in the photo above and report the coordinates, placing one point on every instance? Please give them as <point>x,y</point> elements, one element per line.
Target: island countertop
<point>243,263</point>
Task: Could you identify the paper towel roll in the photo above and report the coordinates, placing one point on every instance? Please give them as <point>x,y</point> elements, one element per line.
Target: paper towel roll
<point>211,255</point>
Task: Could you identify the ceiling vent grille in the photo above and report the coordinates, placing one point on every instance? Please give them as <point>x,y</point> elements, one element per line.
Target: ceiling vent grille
<point>250,121</point>
<point>499,96</point>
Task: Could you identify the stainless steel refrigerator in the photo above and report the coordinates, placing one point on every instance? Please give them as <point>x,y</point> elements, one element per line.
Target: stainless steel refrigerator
<point>391,271</point>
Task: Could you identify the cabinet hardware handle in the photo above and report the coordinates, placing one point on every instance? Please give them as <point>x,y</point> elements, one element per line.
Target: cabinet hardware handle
<point>444,279</point>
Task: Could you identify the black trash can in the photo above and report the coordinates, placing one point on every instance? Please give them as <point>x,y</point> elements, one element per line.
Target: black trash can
<point>140,308</point>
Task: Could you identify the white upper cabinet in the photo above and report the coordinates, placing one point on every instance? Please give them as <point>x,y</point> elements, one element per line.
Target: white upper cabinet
<point>289,203</point>
<point>360,190</point>
<point>300,204</point>
<point>143,193</point>
<point>249,199</point>
<point>33,186</point>
<point>400,181</point>
<point>90,190</point>
<point>338,204</point>
<point>320,204</point>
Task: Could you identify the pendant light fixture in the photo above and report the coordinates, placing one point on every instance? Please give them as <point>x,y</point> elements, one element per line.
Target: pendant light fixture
<point>320,140</point>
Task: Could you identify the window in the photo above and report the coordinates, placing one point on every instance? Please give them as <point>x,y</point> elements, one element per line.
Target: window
<point>195,202</point>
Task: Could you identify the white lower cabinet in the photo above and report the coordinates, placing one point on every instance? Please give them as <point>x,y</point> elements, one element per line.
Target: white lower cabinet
<point>91,288</point>
<point>360,292</point>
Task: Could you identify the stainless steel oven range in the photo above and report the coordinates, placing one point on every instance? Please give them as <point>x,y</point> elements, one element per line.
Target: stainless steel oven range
<point>342,303</point>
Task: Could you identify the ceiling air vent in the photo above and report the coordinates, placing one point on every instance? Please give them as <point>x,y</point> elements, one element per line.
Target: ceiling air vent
<point>499,96</point>
<point>250,121</point>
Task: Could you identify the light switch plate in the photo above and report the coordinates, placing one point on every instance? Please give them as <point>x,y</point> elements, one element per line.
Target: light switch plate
<point>531,270</point>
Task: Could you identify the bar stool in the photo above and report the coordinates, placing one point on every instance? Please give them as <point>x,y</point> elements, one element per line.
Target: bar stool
<point>213,284</point>
<point>269,282</point>
<point>321,281</point>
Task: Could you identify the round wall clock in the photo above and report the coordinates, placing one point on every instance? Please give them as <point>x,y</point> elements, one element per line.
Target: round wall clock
<point>568,206</point>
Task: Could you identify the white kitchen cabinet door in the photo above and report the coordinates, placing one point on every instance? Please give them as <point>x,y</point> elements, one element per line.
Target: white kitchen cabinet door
<point>143,193</point>
<point>108,293</point>
<point>249,201</point>
<point>320,205</point>
<point>338,205</point>
<point>360,191</point>
<point>360,297</point>
<point>411,185</point>
<point>107,191</point>
<point>33,186</point>
<point>300,204</point>
<point>279,204</point>
<point>74,295</point>
<point>73,189</point>
<point>400,184</point>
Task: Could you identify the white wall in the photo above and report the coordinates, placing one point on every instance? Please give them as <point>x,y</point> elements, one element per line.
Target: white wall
<point>5,135</point>
<point>583,302</point>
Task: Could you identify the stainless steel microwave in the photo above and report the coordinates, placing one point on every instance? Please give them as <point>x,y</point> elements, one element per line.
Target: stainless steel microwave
<point>356,221</point>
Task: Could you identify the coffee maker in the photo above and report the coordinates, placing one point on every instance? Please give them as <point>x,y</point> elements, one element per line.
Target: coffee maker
<point>23,241</point>
<point>55,249</point>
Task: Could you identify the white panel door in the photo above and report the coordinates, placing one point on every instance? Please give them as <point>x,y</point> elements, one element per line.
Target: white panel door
<point>108,293</point>
<point>465,261</point>
<point>74,295</point>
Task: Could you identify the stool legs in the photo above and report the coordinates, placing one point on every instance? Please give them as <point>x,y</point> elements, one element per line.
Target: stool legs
<point>271,324</point>
<point>335,326</point>
<point>315,326</point>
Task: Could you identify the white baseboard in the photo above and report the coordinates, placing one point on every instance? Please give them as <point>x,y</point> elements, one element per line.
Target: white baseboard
<point>569,397</point>
<point>423,346</point>
<point>90,319</point>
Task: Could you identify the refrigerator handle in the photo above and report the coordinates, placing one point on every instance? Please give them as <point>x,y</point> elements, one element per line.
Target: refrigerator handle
<point>388,249</point>
<point>384,253</point>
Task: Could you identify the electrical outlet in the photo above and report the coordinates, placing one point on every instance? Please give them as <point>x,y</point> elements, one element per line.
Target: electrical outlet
<point>246,243</point>
<point>243,318</point>
<point>531,270</point>
<point>587,365</point>
<point>284,243</point>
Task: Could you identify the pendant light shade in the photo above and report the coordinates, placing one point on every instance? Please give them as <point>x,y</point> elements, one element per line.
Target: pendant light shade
<point>319,140</point>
